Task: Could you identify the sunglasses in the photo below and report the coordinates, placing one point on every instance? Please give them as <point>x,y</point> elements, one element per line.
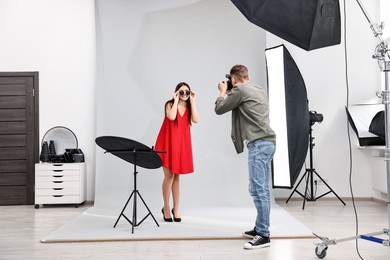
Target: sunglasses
<point>182,92</point>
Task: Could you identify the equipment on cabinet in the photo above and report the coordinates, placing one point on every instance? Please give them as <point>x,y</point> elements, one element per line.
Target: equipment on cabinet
<point>73,156</point>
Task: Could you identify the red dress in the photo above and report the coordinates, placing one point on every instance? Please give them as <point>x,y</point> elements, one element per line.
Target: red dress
<point>176,141</point>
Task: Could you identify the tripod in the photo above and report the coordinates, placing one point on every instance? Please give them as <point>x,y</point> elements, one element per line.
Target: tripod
<point>309,179</point>
<point>139,155</point>
<point>135,193</point>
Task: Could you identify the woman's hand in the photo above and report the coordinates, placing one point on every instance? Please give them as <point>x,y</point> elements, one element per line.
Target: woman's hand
<point>176,96</point>
<point>192,96</point>
<point>194,109</point>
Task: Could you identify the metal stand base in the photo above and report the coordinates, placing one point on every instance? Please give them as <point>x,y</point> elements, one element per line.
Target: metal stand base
<point>311,196</point>
<point>309,173</point>
<point>321,248</point>
<point>135,193</point>
<point>134,222</point>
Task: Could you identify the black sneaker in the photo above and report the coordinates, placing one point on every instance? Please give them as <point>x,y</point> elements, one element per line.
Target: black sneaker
<point>250,234</point>
<point>258,242</point>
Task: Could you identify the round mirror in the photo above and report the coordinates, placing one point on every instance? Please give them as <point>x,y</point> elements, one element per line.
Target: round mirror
<point>63,139</point>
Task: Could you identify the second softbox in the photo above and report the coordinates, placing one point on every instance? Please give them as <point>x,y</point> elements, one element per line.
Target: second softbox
<point>289,114</point>
<point>308,24</point>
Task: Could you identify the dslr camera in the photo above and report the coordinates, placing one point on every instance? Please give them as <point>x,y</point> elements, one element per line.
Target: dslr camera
<point>229,82</point>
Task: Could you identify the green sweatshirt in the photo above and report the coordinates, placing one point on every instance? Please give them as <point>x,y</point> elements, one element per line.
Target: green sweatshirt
<point>250,114</point>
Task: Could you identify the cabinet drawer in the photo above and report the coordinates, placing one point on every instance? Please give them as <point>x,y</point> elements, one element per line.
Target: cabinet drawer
<point>57,172</point>
<point>57,199</point>
<point>60,166</point>
<point>56,178</point>
<point>57,191</point>
<point>57,184</point>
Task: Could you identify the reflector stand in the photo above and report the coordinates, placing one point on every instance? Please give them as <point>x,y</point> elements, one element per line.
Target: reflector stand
<point>139,155</point>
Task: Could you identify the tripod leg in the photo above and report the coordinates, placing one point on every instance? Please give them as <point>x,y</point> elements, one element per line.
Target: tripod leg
<point>306,188</point>
<point>295,189</point>
<point>329,188</point>
<point>150,213</point>
<point>124,209</point>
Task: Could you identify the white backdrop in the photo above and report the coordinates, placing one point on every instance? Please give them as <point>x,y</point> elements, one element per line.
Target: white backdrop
<point>144,50</point>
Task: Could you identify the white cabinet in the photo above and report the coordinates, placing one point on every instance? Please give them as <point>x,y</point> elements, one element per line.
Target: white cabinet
<point>378,170</point>
<point>60,183</point>
<point>379,177</point>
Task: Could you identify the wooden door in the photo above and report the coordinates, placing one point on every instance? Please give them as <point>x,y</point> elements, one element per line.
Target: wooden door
<point>19,136</point>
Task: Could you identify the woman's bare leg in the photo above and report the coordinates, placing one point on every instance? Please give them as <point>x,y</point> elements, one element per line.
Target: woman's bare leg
<point>166,190</point>
<point>176,195</point>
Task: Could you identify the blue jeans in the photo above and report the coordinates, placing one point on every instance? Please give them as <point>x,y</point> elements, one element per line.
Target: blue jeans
<point>260,154</point>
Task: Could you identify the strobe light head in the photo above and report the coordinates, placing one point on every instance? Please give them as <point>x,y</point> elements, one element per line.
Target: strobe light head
<point>315,117</point>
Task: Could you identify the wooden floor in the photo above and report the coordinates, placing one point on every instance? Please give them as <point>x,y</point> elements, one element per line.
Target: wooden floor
<point>22,227</point>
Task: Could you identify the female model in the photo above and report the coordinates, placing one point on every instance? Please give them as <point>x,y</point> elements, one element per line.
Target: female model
<point>175,139</point>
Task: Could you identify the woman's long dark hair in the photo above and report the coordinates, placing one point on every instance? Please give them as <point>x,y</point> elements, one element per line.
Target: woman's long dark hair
<point>187,101</point>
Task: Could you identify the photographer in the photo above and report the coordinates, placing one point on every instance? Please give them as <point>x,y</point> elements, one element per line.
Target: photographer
<point>250,125</point>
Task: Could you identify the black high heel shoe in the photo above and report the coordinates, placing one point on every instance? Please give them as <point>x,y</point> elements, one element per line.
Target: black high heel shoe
<point>165,219</point>
<point>174,218</point>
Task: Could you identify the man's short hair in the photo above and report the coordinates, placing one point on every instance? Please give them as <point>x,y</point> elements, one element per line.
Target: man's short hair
<point>239,71</point>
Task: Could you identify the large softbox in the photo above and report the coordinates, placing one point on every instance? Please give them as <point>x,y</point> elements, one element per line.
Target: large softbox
<point>308,24</point>
<point>289,114</point>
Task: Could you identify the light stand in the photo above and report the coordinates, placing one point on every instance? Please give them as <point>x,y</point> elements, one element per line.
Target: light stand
<point>382,54</point>
<point>310,180</point>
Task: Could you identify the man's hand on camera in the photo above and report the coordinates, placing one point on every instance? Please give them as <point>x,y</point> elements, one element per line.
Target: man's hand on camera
<point>222,88</point>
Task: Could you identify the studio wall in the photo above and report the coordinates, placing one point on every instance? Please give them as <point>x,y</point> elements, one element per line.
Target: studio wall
<point>57,39</point>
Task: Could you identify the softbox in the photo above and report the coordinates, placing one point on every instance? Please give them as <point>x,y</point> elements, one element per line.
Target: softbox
<point>363,119</point>
<point>308,24</point>
<point>289,115</point>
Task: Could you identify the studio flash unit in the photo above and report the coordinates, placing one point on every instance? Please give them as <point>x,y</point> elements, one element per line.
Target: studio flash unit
<point>315,117</point>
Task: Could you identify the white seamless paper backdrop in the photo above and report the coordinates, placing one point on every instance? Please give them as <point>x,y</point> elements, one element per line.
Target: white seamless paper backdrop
<point>143,51</point>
